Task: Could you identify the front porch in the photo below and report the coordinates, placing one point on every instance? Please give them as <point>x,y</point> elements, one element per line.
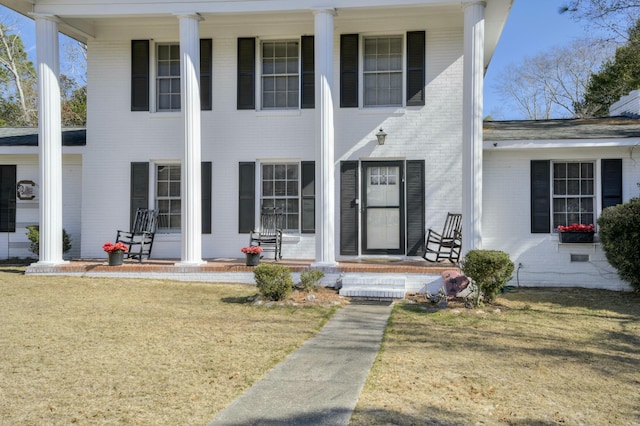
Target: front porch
<point>359,277</point>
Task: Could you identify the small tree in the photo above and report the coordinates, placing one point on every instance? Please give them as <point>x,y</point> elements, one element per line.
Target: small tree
<point>34,236</point>
<point>489,269</point>
<point>619,232</point>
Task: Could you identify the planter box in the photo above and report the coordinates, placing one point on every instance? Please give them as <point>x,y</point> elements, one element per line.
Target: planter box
<point>576,237</point>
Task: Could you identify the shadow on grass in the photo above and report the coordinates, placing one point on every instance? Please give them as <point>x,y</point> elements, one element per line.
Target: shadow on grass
<point>237,300</point>
<point>14,270</point>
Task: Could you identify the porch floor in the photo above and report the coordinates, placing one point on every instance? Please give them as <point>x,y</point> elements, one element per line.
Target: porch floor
<point>170,266</point>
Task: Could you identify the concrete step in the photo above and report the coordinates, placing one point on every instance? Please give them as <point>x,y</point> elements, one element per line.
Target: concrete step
<point>374,286</point>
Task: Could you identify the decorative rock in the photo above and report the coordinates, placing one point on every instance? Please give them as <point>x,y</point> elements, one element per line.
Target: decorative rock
<point>456,312</point>
<point>310,298</point>
<point>497,311</point>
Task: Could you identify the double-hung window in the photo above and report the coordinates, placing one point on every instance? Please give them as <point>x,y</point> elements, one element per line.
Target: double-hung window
<point>574,196</point>
<point>168,77</point>
<point>168,200</point>
<point>280,189</point>
<point>382,69</point>
<point>280,75</point>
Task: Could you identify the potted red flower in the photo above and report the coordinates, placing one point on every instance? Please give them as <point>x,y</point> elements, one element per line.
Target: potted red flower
<point>576,233</point>
<point>252,254</point>
<point>116,252</point>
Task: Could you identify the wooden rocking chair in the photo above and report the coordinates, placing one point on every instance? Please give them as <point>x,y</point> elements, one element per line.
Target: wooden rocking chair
<point>448,244</point>
<point>269,234</point>
<point>139,239</point>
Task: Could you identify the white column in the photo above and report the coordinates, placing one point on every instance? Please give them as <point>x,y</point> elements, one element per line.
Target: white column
<point>191,172</point>
<point>49,140</point>
<point>473,78</point>
<point>325,161</point>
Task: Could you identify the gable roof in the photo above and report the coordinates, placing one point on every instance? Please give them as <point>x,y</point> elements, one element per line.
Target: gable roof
<point>28,136</point>
<point>562,129</point>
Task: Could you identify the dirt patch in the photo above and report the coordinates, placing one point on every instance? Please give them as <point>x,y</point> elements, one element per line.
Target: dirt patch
<point>321,296</point>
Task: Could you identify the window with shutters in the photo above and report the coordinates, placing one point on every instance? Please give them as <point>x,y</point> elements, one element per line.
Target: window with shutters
<point>382,71</point>
<point>280,75</point>
<point>574,196</point>
<point>168,198</point>
<point>168,77</point>
<point>281,189</point>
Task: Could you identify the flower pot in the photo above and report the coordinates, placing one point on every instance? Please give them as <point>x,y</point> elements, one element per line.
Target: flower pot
<point>116,258</point>
<point>253,259</point>
<point>576,237</point>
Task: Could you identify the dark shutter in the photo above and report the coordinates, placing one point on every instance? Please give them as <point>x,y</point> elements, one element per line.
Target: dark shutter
<point>206,196</point>
<point>415,207</point>
<point>206,66</point>
<point>139,188</point>
<point>611,182</point>
<point>246,73</point>
<point>349,207</point>
<point>308,72</point>
<point>246,197</point>
<point>349,70</point>
<point>415,68</point>
<point>308,197</point>
<point>540,196</point>
<point>139,75</point>
<point>8,198</point>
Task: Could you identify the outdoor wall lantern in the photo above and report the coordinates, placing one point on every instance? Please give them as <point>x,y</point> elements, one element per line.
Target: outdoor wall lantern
<point>382,136</point>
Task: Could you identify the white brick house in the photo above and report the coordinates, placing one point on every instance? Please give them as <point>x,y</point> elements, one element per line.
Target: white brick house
<point>209,110</point>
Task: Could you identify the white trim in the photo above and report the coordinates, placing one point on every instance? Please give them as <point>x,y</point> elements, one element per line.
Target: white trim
<point>489,145</point>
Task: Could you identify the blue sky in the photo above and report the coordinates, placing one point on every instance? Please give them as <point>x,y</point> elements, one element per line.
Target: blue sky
<point>533,27</point>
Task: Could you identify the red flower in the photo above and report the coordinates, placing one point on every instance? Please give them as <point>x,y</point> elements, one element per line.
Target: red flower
<point>575,227</point>
<point>109,248</point>
<point>252,250</point>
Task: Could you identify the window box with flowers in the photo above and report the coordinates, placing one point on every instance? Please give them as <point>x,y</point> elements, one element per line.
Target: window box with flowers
<point>576,233</point>
<point>116,252</point>
<point>253,254</point>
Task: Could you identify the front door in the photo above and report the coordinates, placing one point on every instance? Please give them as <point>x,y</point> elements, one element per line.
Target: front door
<point>383,207</point>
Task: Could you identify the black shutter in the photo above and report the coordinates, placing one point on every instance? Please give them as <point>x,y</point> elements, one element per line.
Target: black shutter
<point>611,182</point>
<point>415,68</point>
<point>349,207</point>
<point>246,73</point>
<point>8,198</point>
<point>540,196</point>
<point>139,188</point>
<point>415,207</point>
<point>246,197</point>
<point>308,197</point>
<point>308,72</point>
<point>139,75</point>
<point>349,70</point>
<point>206,196</point>
<point>206,66</point>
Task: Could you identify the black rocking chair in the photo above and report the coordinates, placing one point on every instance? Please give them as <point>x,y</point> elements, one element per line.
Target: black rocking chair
<point>448,244</point>
<point>139,239</point>
<point>269,234</point>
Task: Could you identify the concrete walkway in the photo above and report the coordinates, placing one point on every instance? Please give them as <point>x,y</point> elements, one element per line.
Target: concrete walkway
<point>320,383</point>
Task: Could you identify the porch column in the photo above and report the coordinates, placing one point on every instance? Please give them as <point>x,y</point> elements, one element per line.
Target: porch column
<point>49,140</point>
<point>190,105</point>
<point>473,79</point>
<point>325,160</point>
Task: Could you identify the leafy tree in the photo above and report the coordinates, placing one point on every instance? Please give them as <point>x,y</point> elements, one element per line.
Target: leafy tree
<point>17,81</point>
<point>549,84</point>
<point>74,102</point>
<point>617,77</point>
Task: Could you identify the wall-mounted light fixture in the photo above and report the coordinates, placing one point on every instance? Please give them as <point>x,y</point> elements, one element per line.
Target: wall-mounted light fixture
<point>382,136</point>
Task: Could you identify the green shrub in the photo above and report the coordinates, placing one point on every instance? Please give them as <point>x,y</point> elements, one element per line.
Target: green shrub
<point>490,269</point>
<point>34,236</point>
<point>309,279</point>
<point>619,232</point>
<point>273,281</point>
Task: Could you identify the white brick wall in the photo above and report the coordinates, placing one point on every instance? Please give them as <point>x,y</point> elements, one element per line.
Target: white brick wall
<point>117,136</point>
<point>506,219</point>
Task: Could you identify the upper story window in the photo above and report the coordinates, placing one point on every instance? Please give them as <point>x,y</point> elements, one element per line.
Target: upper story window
<point>382,69</point>
<point>280,75</point>
<point>573,193</point>
<point>168,77</point>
